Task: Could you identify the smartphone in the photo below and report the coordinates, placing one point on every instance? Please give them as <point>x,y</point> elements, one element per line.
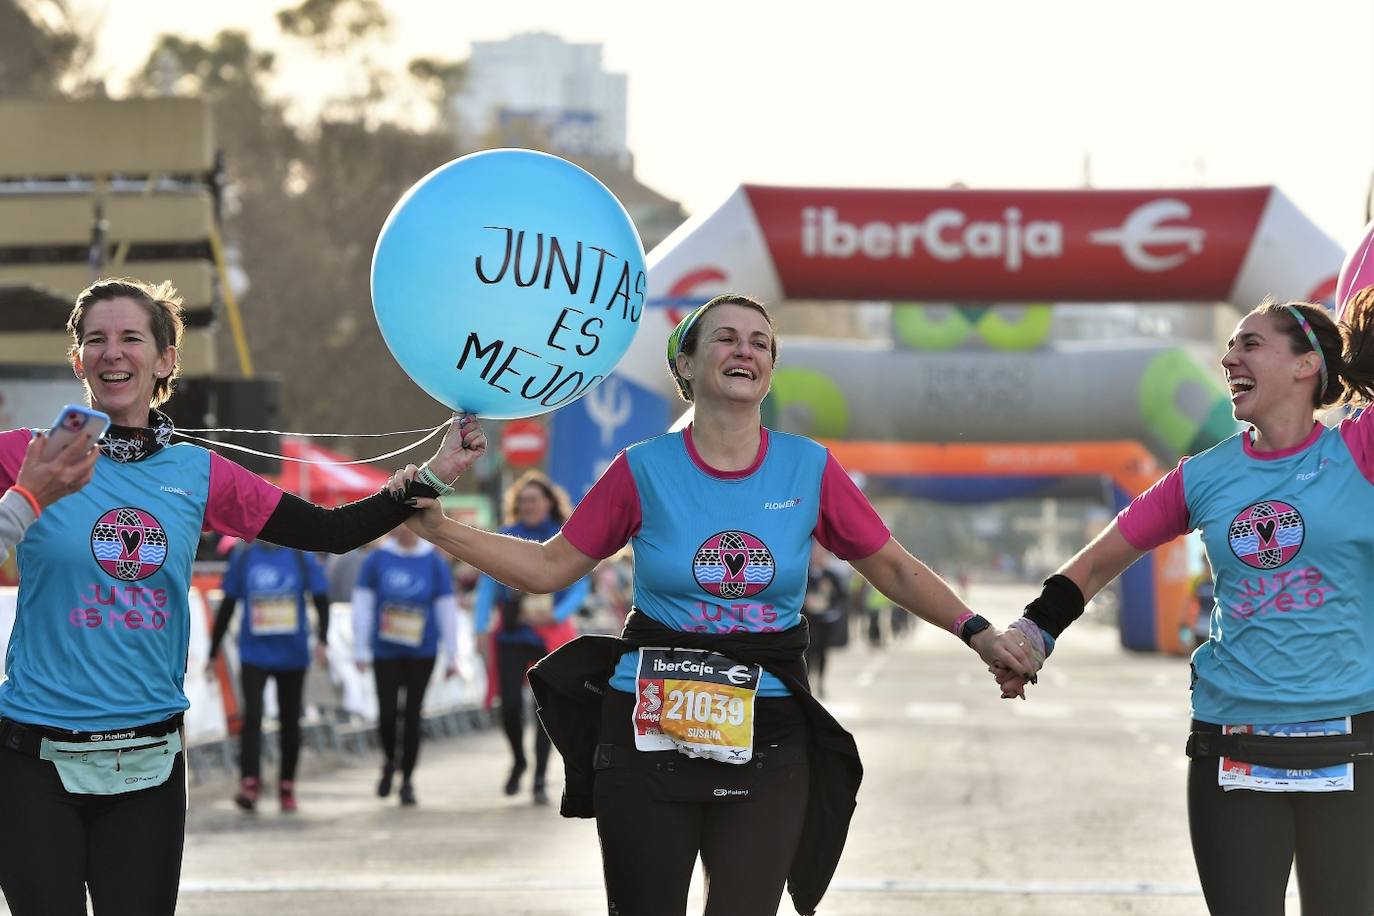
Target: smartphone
<point>70,423</point>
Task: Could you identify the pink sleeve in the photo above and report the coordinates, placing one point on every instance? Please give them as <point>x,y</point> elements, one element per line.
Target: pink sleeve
<point>847,525</point>
<point>608,515</point>
<point>1358,433</point>
<point>240,501</point>
<point>1158,515</point>
<point>13,444</point>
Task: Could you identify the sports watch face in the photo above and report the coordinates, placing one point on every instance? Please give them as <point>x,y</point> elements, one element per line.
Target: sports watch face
<point>972,627</point>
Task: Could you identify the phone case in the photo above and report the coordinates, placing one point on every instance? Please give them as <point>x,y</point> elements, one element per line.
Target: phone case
<point>72,420</point>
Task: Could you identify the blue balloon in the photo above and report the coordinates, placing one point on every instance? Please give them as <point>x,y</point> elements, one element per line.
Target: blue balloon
<point>508,283</point>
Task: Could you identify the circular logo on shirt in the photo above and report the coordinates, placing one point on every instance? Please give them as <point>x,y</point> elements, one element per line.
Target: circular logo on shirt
<point>129,544</point>
<point>400,583</point>
<point>1267,535</point>
<point>733,564</point>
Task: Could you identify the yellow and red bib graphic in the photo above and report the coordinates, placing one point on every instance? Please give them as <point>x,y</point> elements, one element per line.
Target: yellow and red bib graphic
<point>403,624</point>
<point>695,701</point>
<point>273,615</point>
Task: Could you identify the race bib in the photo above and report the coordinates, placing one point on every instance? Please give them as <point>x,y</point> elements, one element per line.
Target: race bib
<point>537,604</point>
<point>1236,774</point>
<point>403,624</point>
<point>273,615</point>
<point>698,702</point>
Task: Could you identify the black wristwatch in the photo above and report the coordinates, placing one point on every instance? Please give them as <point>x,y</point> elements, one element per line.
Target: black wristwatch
<point>972,627</point>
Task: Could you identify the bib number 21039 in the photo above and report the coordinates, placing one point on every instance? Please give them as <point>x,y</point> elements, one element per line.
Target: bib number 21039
<point>698,702</point>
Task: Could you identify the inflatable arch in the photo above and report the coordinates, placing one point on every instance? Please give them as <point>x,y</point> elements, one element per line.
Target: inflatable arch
<point>1033,396</point>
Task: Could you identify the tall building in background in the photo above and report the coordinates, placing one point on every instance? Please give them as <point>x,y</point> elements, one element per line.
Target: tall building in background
<point>536,86</point>
<point>536,90</point>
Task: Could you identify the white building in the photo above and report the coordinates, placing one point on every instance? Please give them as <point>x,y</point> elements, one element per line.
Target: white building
<point>538,82</point>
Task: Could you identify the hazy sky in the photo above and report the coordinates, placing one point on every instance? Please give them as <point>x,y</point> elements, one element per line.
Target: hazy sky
<point>923,94</point>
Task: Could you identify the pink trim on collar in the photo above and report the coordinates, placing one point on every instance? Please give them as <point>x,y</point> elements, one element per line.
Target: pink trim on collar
<point>1317,430</point>
<point>725,475</point>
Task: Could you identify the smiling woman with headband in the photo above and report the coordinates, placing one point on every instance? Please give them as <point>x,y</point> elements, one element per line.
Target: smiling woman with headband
<point>709,674</point>
<point>92,770</point>
<point>1282,737</point>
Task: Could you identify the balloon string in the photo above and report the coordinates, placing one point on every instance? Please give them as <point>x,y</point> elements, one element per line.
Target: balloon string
<point>282,432</point>
<point>252,451</point>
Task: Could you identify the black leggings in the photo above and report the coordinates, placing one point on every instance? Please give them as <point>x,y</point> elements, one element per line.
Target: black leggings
<point>653,824</point>
<point>512,661</point>
<point>392,675</point>
<point>290,688</point>
<point>1245,844</point>
<point>53,844</point>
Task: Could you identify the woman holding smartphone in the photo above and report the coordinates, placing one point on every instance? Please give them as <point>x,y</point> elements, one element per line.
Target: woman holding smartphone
<point>90,710</point>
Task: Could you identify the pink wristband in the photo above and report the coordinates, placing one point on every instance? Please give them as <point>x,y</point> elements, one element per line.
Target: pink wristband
<point>960,621</point>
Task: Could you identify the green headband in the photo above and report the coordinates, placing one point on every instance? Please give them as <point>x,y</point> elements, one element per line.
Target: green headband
<point>675,339</point>
<point>1312,339</point>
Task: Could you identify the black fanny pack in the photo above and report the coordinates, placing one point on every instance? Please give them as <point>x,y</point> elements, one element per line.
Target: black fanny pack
<point>1286,753</point>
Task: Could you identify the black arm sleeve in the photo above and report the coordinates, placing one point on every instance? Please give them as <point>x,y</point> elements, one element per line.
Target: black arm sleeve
<point>1060,604</point>
<point>222,618</point>
<point>322,609</point>
<point>306,526</point>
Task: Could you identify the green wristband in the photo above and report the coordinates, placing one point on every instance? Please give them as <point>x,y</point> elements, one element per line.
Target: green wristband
<point>430,479</point>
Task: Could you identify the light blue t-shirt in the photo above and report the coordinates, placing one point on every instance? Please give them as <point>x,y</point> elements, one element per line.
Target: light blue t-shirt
<point>101,631</point>
<point>719,554</point>
<point>1291,542</point>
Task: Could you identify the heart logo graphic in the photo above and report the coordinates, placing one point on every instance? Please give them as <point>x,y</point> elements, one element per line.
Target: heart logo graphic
<point>1266,530</point>
<point>131,537</point>
<point>732,565</point>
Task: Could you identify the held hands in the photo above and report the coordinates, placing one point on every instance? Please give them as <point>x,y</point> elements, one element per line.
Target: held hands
<point>66,472</point>
<point>430,519</point>
<point>1009,651</point>
<point>1025,635</point>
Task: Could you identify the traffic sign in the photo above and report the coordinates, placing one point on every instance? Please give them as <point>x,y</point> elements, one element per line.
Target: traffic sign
<point>523,443</point>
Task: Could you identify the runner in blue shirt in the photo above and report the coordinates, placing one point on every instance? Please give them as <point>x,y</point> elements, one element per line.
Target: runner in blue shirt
<point>1283,688</point>
<point>525,627</point>
<point>705,741</point>
<point>274,641</point>
<point>92,769</point>
<point>404,612</point>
